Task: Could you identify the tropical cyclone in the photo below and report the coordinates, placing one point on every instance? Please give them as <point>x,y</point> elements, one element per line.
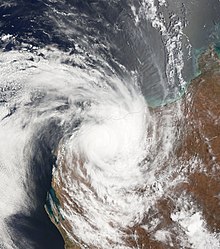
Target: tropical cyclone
<point>177,204</point>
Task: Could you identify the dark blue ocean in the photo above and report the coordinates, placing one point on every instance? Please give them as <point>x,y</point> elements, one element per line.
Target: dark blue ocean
<point>110,25</point>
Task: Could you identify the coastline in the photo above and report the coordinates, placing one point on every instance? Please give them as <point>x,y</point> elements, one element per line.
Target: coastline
<point>194,101</point>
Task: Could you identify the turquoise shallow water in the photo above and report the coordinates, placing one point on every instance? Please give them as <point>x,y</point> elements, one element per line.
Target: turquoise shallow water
<point>53,206</point>
<point>196,53</point>
<point>217,49</point>
<point>40,31</point>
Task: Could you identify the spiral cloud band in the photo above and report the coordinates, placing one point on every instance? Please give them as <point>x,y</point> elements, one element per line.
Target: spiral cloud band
<point>87,134</point>
<point>107,141</point>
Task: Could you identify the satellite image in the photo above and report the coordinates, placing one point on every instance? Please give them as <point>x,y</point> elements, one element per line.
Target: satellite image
<point>110,124</point>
